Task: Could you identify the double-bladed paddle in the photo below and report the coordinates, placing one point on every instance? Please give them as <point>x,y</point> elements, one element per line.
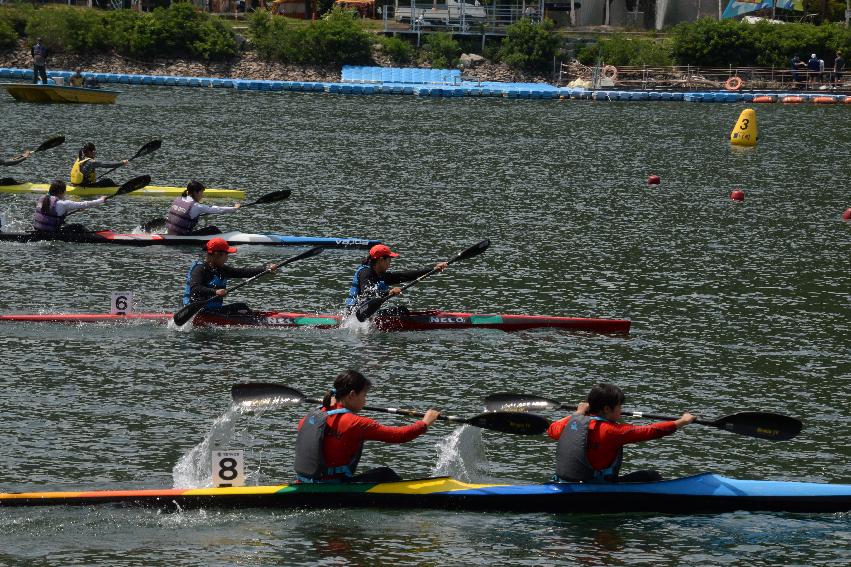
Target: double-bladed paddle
<point>148,148</point>
<point>127,187</point>
<point>762,425</point>
<point>187,312</point>
<point>45,145</point>
<point>272,197</point>
<point>368,309</point>
<point>260,394</point>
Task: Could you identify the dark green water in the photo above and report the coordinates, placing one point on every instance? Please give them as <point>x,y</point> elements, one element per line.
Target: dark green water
<point>735,306</point>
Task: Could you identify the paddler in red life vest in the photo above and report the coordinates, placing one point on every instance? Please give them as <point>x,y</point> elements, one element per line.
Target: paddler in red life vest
<point>185,211</point>
<point>330,438</point>
<point>84,170</point>
<point>372,279</point>
<point>590,441</point>
<point>209,278</point>
<point>51,210</point>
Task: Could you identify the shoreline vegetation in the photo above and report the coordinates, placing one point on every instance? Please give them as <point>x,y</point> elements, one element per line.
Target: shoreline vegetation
<point>183,41</point>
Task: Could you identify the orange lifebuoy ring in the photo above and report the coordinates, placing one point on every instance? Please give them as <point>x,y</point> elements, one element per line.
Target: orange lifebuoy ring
<point>610,72</point>
<point>733,83</point>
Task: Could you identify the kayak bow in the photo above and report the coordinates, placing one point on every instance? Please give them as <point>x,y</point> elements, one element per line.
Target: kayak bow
<point>399,321</point>
<point>704,493</point>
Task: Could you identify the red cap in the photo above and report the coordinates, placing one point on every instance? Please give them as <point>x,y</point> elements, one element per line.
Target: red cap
<point>381,251</point>
<point>219,245</point>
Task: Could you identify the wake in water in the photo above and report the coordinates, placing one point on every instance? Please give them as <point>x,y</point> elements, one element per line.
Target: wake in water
<point>461,455</point>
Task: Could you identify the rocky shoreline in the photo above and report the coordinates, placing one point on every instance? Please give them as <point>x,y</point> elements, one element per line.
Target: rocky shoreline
<point>248,65</point>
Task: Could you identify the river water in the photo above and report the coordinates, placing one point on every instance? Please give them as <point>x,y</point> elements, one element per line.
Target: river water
<point>735,306</point>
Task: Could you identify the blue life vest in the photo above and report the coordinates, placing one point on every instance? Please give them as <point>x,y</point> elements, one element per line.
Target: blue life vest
<point>50,221</point>
<point>309,449</point>
<point>355,291</point>
<point>217,281</point>
<point>572,454</point>
<point>178,221</point>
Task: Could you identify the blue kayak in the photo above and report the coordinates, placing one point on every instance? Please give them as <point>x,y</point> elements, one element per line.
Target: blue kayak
<point>704,493</point>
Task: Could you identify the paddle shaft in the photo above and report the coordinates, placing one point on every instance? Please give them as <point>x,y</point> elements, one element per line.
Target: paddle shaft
<point>45,145</point>
<point>272,197</point>
<point>148,148</point>
<point>127,187</point>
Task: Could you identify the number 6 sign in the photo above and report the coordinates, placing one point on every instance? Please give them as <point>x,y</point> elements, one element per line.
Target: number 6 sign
<point>121,303</point>
<point>228,468</point>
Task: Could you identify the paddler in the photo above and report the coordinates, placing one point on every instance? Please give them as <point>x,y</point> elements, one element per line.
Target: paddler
<point>590,441</point>
<point>51,210</point>
<point>84,170</point>
<point>372,278</point>
<point>209,278</point>
<point>330,438</point>
<point>185,211</point>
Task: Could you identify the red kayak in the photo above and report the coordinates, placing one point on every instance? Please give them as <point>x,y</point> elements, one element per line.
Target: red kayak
<point>400,320</point>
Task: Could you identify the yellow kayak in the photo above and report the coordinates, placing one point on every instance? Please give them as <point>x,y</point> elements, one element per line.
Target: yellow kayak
<point>149,191</point>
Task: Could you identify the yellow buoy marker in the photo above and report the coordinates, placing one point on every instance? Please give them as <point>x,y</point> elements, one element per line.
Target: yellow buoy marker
<point>745,132</point>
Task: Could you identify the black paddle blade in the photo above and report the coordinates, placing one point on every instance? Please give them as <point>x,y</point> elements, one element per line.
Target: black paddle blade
<point>132,185</point>
<point>472,251</point>
<point>148,148</point>
<point>762,425</point>
<point>153,224</point>
<point>51,143</point>
<point>272,197</point>
<point>505,401</point>
<point>368,309</point>
<point>257,393</point>
<point>187,312</point>
<point>511,422</point>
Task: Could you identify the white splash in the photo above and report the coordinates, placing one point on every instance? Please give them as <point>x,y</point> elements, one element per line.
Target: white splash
<point>351,323</point>
<point>461,455</point>
<point>194,469</point>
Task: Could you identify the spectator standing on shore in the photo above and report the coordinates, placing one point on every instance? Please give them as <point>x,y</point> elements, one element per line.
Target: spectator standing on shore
<point>813,67</point>
<point>838,68</point>
<point>39,53</point>
<point>797,65</point>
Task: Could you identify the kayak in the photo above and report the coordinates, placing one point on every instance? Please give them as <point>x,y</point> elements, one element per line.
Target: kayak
<point>703,493</point>
<point>398,320</point>
<point>12,186</point>
<point>146,239</point>
<point>60,93</point>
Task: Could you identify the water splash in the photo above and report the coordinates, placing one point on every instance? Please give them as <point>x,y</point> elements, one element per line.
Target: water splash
<point>194,469</point>
<point>349,322</point>
<point>461,455</point>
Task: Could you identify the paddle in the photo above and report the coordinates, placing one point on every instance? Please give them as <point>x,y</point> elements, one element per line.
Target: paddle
<point>762,425</point>
<point>187,312</point>
<point>148,148</point>
<point>127,187</point>
<point>45,145</point>
<point>368,309</point>
<point>272,197</point>
<point>257,393</point>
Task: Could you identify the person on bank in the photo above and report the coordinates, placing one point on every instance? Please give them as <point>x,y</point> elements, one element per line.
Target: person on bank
<point>185,211</point>
<point>208,278</point>
<point>51,210</point>
<point>590,441</point>
<point>373,278</point>
<point>838,68</point>
<point>39,55</point>
<point>84,170</point>
<point>330,438</point>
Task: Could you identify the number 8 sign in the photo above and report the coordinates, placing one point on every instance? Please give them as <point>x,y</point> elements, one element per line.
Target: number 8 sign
<point>228,468</point>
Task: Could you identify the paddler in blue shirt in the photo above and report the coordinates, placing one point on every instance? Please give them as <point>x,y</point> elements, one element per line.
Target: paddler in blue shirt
<point>84,170</point>
<point>209,278</point>
<point>372,278</point>
<point>185,211</point>
<point>51,210</point>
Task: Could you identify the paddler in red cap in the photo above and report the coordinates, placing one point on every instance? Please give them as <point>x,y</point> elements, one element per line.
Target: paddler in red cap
<point>372,278</point>
<point>209,278</point>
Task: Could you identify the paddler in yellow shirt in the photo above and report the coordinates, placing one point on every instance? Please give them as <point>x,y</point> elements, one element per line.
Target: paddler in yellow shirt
<point>84,170</point>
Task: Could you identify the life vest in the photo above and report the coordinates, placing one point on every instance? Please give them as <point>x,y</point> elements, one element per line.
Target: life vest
<point>50,221</point>
<point>309,449</point>
<point>77,177</point>
<point>178,220</point>
<point>572,454</point>
<point>355,291</point>
<point>217,282</point>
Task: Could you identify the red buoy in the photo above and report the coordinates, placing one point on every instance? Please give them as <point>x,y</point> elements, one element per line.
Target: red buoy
<point>737,195</point>
<point>653,180</point>
<point>847,215</point>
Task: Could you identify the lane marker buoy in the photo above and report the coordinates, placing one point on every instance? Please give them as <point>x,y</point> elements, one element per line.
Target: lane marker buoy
<point>654,180</point>
<point>745,132</point>
<point>737,195</point>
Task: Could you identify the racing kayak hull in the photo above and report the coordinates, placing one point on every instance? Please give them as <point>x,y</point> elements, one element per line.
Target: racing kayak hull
<point>394,321</point>
<point>704,493</point>
<point>145,239</point>
<point>148,191</point>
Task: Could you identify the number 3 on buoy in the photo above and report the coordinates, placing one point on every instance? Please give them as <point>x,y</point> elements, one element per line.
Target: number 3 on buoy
<point>745,132</point>
<point>228,468</point>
